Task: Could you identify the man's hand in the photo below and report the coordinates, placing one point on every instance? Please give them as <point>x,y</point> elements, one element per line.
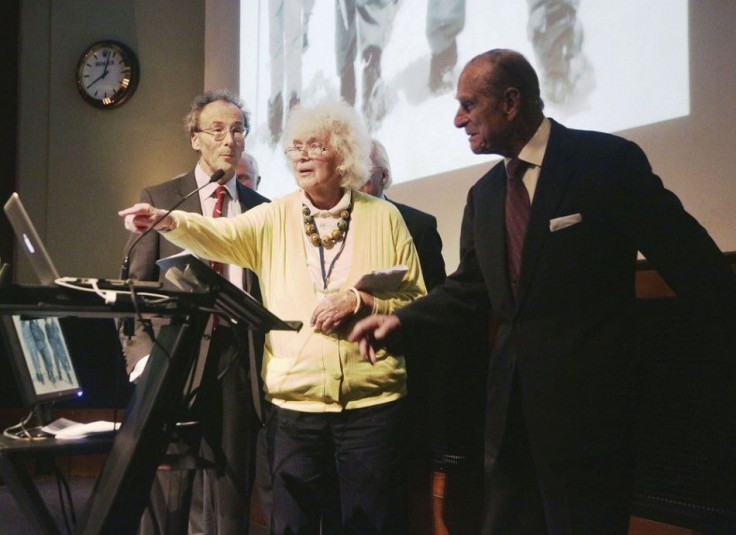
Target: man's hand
<point>374,333</point>
<point>142,216</point>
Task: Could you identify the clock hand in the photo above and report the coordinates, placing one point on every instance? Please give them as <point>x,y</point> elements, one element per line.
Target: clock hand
<point>104,72</point>
<point>100,77</point>
<point>107,62</point>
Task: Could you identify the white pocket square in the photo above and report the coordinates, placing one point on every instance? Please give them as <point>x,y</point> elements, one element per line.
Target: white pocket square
<point>558,223</point>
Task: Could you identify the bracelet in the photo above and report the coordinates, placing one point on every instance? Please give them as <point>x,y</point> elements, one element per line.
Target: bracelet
<point>357,296</point>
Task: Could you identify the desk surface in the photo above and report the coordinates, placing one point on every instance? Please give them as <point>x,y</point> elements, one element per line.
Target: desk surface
<point>99,443</point>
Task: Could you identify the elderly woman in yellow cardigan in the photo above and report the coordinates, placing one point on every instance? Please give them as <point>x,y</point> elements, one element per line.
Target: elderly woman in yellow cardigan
<point>328,409</point>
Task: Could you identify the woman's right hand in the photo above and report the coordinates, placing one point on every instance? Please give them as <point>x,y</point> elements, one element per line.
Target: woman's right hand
<point>142,216</point>
<point>332,310</point>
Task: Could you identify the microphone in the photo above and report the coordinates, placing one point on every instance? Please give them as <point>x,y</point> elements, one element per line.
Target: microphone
<point>217,176</point>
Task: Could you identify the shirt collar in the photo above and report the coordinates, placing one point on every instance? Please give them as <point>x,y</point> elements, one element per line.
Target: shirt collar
<point>533,151</point>
<point>341,205</point>
<point>203,178</point>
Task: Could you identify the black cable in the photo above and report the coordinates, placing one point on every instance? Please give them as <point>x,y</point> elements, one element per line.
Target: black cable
<point>62,482</point>
<point>145,324</point>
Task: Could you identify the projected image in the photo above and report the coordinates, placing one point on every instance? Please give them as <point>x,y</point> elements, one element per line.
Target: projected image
<point>46,355</point>
<point>600,66</point>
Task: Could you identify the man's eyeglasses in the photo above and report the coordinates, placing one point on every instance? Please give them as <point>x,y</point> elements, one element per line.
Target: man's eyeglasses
<point>219,132</point>
<point>313,150</point>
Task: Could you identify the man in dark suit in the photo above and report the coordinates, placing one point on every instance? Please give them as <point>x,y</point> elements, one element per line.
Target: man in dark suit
<point>217,125</point>
<point>422,226</point>
<point>563,378</point>
<point>445,400</point>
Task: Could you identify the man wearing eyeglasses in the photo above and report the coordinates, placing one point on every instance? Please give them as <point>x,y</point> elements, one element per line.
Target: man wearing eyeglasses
<point>225,421</point>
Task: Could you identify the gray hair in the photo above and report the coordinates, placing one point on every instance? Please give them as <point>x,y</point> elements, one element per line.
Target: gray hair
<point>191,119</point>
<point>379,158</point>
<point>253,162</point>
<point>508,68</point>
<point>346,132</point>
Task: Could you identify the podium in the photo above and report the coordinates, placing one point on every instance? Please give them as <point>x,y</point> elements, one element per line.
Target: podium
<point>121,492</point>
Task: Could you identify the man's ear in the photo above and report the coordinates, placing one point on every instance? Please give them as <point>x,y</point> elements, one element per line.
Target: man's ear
<point>195,141</point>
<point>512,102</point>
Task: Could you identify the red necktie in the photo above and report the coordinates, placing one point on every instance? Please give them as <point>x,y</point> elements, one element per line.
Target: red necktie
<point>220,194</point>
<point>517,218</point>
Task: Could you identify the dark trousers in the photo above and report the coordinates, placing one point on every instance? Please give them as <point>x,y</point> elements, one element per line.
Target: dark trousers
<point>363,446</point>
<point>171,493</point>
<point>230,426</point>
<point>217,500</point>
<point>528,496</point>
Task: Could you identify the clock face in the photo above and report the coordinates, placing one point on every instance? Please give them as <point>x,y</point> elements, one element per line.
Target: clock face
<point>107,74</point>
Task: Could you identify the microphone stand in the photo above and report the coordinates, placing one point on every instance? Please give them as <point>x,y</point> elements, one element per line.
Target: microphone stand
<point>128,326</point>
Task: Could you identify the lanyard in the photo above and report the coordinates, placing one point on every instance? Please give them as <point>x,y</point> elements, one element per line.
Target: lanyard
<point>326,274</point>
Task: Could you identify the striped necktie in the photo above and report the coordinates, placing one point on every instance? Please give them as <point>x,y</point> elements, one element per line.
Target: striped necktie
<point>220,195</point>
<point>517,218</point>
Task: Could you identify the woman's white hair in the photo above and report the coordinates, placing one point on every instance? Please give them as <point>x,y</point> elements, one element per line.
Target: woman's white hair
<point>345,131</point>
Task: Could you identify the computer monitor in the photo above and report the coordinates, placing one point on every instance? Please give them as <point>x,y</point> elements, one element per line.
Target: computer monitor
<point>41,362</point>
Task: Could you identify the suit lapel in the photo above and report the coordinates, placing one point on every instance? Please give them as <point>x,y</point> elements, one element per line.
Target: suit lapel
<point>186,186</point>
<point>246,198</point>
<point>493,233</point>
<point>248,277</point>
<point>554,178</point>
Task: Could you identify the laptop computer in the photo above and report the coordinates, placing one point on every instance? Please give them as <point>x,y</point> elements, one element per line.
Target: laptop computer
<point>31,243</point>
<point>41,262</point>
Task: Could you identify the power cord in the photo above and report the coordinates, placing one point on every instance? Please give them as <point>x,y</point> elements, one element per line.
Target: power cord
<point>63,485</point>
<point>19,431</point>
<point>110,296</point>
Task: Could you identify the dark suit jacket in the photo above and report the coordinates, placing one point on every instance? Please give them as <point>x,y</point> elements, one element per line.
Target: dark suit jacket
<point>423,229</point>
<point>568,339</point>
<point>445,392</point>
<point>154,246</point>
<point>229,426</point>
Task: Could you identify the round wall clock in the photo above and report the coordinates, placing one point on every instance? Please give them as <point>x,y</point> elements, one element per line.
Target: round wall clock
<point>107,74</point>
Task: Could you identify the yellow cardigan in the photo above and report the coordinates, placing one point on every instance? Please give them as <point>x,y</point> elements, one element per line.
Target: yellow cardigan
<point>310,371</point>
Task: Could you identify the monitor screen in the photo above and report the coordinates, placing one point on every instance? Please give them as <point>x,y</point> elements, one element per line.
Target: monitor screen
<point>40,359</point>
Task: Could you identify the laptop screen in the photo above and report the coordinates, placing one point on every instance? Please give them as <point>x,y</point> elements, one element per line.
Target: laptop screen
<point>29,240</point>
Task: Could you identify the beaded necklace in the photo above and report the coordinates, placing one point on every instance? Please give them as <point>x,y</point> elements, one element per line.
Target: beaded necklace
<point>310,228</point>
